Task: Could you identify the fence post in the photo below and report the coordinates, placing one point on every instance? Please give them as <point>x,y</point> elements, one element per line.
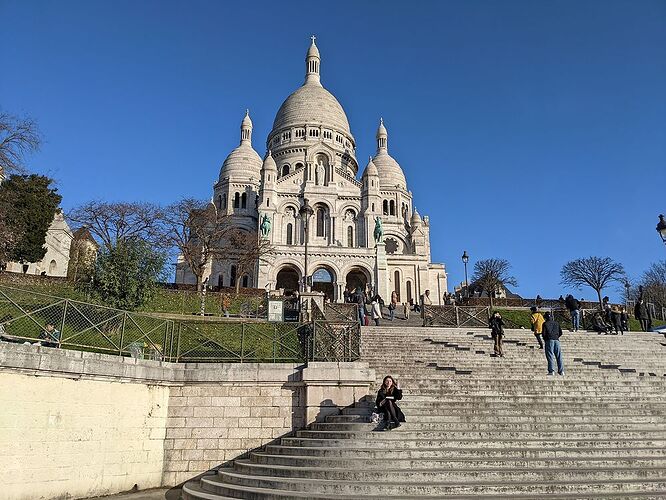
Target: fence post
<point>457,316</point>
<point>242,346</point>
<point>62,323</point>
<point>274,342</point>
<point>180,332</point>
<point>122,335</point>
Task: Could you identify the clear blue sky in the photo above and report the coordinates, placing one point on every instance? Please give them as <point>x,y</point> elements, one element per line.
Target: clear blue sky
<point>528,130</point>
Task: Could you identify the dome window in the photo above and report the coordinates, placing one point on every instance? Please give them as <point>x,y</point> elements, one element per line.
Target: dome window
<point>290,234</point>
<point>244,200</point>
<point>237,200</point>
<point>285,170</point>
<point>385,209</point>
<point>350,237</point>
<point>392,207</point>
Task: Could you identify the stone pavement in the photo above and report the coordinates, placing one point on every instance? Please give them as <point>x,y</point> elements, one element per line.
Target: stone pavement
<point>153,494</point>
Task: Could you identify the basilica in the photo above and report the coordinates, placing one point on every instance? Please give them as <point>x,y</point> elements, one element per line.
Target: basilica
<point>361,231</point>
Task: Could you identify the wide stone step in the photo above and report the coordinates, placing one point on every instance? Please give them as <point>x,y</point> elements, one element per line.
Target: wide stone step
<point>460,453</point>
<point>467,442</point>
<point>467,426</point>
<point>457,463</point>
<point>547,418</point>
<point>638,481</point>
<point>405,434</point>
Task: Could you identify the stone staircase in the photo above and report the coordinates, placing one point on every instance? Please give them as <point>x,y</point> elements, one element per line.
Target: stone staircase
<point>479,426</point>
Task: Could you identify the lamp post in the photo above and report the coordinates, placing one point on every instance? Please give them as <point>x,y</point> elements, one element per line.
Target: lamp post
<point>305,213</point>
<point>465,259</point>
<point>661,228</point>
<point>627,286</point>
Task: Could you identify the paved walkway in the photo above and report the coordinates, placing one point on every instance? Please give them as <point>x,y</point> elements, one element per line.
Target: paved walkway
<point>155,494</point>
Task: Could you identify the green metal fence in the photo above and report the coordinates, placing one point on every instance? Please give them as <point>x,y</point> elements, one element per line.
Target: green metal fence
<point>36,318</point>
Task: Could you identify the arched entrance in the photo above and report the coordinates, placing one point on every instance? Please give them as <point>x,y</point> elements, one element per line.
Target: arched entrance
<point>288,278</point>
<point>357,278</point>
<point>322,281</point>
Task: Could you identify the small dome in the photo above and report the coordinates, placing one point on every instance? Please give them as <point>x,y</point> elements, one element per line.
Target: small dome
<point>269,163</point>
<point>381,130</point>
<point>370,169</point>
<point>313,51</point>
<point>247,122</point>
<point>416,218</point>
<point>242,163</point>
<point>390,172</point>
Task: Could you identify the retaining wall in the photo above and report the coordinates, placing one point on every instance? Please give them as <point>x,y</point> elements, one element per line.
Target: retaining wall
<point>76,425</point>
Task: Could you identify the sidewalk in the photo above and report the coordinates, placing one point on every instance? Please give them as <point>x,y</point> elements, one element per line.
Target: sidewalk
<point>153,494</point>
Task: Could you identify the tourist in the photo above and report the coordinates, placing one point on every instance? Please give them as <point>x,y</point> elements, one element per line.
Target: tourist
<point>599,324</point>
<point>641,314</point>
<point>537,325</point>
<point>50,337</point>
<point>496,324</point>
<point>393,305</point>
<point>605,302</point>
<point>426,302</point>
<point>552,331</point>
<point>405,310</point>
<point>360,302</point>
<point>387,396</point>
<point>624,319</point>
<point>376,309</point>
<point>616,319</point>
<point>538,301</point>
<point>573,306</point>
<point>345,296</point>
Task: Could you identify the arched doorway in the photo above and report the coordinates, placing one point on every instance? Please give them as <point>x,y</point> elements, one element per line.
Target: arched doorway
<point>322,281</point>
<point>357,278</point>
<point>288,278</point>
<point>53,267</point>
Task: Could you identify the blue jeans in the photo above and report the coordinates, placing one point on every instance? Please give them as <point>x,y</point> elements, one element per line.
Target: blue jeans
<point>391,313</point>
<point>553,352</point>
<point>361,315</point>
<point>575,319</point>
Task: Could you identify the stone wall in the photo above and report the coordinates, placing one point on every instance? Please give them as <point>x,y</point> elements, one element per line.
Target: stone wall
<point>79,424</point>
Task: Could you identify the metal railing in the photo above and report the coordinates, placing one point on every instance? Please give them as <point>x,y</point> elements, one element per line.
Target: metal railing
<point>36,318</point>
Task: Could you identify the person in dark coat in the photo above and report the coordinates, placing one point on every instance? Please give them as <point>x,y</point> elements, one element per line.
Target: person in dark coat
<point>496,325</point>
<point>387,396</point>
<point>616,319</point>
<point>552,331</point>
<point>573,306</point>
<point>624,318</point>
<point>641,314</point>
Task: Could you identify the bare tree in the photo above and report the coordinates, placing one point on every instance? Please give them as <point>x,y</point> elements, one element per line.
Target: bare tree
<point>17,138</point>
<point>654,283</point>
<point>111,223</point>
<point>492,275</point>
<point>595,272</point>
<point>196,229</point>
<point>245,249</point>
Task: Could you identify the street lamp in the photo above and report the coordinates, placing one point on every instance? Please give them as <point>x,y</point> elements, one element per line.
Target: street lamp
<point>626,287</point>
<point>661,228</point>
<point>305,213</point>
<point>465,259</point>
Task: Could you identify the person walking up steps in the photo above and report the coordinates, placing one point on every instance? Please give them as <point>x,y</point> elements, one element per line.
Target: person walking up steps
<point>552,331</point>
<point>537,325</point>
<point>496,325</point>
<point>376,309</point>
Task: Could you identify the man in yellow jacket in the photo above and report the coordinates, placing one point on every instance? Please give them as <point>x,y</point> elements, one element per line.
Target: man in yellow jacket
<point>537,325</point>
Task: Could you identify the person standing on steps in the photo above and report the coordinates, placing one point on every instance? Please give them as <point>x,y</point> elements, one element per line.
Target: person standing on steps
<point>360,302</point>
<point>537,325</point>
<point>387,396</point>
<point>616,319</point>
<point>392,305</point>
<point>573,306</point>
<point>376,309</point>
<point>641,314</point>
<point>496,324</point>
<point>552,331</point>
<point>405,310</point>
<point>426,302</point>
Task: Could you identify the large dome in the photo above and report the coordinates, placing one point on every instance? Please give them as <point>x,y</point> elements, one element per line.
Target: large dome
<point>311,104</point>
<point>243,163</point>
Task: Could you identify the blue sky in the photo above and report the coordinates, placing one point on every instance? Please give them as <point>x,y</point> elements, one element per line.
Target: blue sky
<point>528,130</point>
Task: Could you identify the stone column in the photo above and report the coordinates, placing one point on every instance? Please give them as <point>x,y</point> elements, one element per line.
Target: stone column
<point>381,271</point>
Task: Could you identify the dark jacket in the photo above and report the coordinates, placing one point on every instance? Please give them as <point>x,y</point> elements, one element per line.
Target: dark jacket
<point>397,394</point>
<point>496,326</point>
<point>551,330</point>
<point>641,311</point>
<point>572,304</point>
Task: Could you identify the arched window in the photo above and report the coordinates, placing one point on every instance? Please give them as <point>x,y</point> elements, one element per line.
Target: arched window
<point>396,284</point>
<point>219,201</point>
<point>285,170</point>
<point>321,221</point>
<point>224,200</point>
<point>298,165</point>
<point>409,291</point>
<point>385,207</point>
<point>350,236</point>
<point>290,234</point>
<point>246,279</point>
<point>244,200</point>
<point>392,207</point>
<point>237,200</point>
<point>232,277</point>
<point>53,267</point>
<point>373,207</point>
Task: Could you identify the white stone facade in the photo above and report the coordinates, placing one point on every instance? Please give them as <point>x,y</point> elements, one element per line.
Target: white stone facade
<point>58,241</point>
<point>311,154</point>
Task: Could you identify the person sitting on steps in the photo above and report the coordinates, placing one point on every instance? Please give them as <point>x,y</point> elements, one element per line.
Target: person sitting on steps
<point>387,396</point>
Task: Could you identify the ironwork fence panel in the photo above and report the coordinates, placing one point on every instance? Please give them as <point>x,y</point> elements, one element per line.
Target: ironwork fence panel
<point>455,316</point>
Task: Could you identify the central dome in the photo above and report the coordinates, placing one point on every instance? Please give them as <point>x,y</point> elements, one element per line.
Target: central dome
<point>311,104</point>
